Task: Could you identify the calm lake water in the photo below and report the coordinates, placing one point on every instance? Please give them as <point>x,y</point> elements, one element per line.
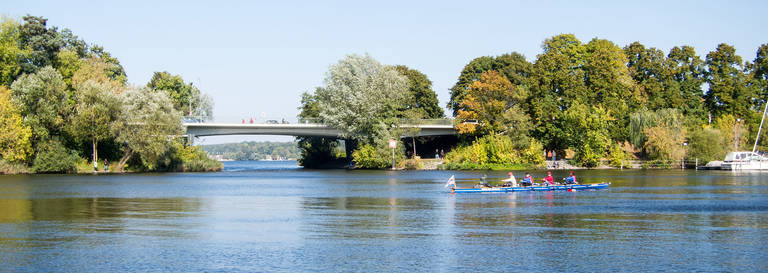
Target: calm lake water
<point>273,216</point>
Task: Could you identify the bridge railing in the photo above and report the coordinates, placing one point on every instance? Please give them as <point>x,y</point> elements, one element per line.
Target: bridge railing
<point>204,119</point>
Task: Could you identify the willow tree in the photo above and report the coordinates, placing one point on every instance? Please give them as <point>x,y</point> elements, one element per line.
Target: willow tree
<point>362,98</point>
<point>147,126</point>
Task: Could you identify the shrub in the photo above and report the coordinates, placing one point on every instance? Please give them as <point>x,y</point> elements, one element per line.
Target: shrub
<point>707,144</point>
<point>496,151</point>
<point>617,154</point>
<point>12,168</point>
<point>377,155</point>
<point>194,159</point>
<point>413,164</point>
<point>53,157</point>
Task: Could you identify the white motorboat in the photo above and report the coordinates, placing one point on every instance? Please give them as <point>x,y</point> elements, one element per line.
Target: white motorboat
<point>737,161</point>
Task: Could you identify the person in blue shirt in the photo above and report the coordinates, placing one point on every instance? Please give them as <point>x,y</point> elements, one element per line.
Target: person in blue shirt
<point>528,180</point>
<point>571,179</point>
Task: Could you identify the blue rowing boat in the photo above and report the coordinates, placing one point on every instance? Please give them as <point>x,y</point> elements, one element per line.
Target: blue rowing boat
<point>577,187</point>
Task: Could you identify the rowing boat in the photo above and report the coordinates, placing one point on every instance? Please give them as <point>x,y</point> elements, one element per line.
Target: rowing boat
<point>534,188</point>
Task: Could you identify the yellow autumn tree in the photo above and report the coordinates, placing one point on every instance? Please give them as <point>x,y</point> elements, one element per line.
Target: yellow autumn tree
<point>15,145</point>
<point>491,105</point>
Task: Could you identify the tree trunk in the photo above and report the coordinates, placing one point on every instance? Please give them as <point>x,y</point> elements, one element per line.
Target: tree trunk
<point>95,156</point>
<point>124,159</point>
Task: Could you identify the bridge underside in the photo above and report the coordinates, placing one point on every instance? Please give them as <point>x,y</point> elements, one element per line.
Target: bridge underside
<point>202,129</point>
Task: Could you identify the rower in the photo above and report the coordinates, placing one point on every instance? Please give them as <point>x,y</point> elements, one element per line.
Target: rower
<point>549,179</point>
<point>511,181</point>
<point>571,179</point>
<point>527,181</point>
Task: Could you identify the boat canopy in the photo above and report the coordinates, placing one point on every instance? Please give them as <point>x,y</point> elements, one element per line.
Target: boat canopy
<point>742,156</point>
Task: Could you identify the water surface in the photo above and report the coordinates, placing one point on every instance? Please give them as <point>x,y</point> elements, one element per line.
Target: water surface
<point>274,216</point>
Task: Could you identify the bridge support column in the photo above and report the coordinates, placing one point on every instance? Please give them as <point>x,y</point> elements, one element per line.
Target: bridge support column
<point>349,147</point>
<point>190,139</point>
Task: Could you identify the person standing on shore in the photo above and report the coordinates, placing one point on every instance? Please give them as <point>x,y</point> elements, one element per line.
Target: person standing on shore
<point>106,165</point>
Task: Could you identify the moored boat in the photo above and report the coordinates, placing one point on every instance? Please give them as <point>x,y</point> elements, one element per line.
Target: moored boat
<point>533,188</point>
<point>743,161</point>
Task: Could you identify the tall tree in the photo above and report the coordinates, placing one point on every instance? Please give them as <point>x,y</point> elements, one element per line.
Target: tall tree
<point>421,97</point>
<point>728,92</point>
<point>362,97</point>
<point>559,81</point>
<point>97,110</point>
<point>688,72</point>
<point>649,69</point>
<point>43,42</point>
<point>607,78</point>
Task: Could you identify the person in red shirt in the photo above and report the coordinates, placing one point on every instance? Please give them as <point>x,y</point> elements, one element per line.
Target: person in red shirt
<point>549,179</point>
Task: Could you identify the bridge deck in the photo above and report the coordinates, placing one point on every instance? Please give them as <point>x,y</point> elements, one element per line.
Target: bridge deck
<point>218,129</point>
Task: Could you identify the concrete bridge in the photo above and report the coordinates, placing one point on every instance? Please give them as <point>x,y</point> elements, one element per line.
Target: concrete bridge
<point>299,129</point>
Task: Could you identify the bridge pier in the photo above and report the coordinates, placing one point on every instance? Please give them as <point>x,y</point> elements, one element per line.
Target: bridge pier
<point>349,146</point>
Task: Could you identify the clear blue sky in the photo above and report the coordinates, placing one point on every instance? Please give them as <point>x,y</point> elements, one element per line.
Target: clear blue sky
<point>259,57</point>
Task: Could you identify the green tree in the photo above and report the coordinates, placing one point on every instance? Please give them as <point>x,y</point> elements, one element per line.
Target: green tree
<point>147,126</point>
<point>688,72</point>
<point>43,102</point>
<point>67,64</point>
<point>728,91</point>
<point>610,85</point>
<point>707,144</point>
<point>588,132</point>
<point>421,96</point>
<point>664,143</point>
<point>97,110</point>
<point>42,42</point>
<point>15,145</point>
<point>361,98</point>
<point>559,81</point>
<point>649,68</point>
<point>186,98</point>
<point>11,53</point>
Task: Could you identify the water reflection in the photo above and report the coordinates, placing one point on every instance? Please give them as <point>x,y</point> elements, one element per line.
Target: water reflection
<point>77,209</point>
